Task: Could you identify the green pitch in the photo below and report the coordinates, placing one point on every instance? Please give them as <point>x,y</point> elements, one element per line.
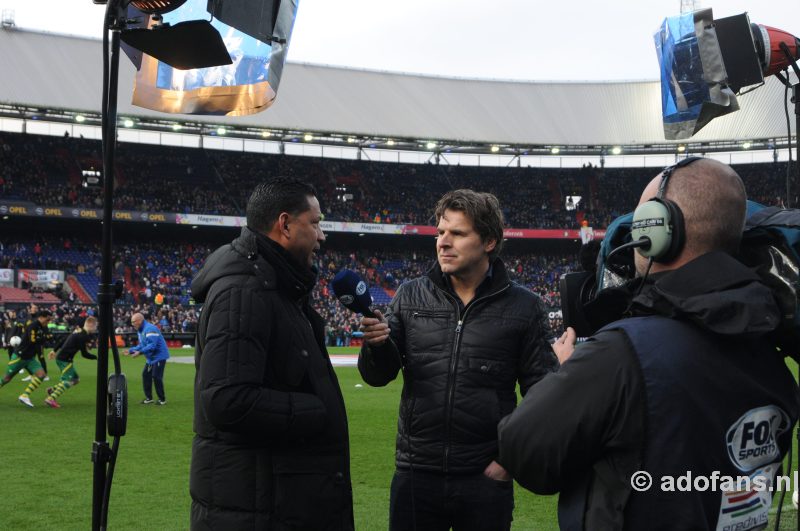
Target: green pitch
<point>46,467</point>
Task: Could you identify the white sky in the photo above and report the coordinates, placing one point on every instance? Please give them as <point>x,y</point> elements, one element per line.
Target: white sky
<point>505,39</point>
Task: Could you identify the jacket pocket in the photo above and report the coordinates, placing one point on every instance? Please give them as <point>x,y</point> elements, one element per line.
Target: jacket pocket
<point>310,493</point>
<point>427,330</point>
<point>296,366</point>
<point>289,360</point>
<point>490,367</point>
<point>423,314</point>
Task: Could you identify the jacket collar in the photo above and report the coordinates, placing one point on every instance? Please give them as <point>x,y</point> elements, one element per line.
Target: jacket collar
<point>497,277</point>
<point>295,280</point>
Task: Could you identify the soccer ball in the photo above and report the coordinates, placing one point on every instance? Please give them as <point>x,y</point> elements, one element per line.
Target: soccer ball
<point>15,341</point>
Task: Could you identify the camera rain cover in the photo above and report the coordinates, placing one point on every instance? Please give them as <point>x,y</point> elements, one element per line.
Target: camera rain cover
<point>694,83</point>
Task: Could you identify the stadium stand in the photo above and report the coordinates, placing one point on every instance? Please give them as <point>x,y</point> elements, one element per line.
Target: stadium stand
<point>152,268</point>
<point>46,171</point>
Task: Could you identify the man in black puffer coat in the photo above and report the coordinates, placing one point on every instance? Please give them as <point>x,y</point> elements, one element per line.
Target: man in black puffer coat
<point>271,449</point>
<point>463,335</point>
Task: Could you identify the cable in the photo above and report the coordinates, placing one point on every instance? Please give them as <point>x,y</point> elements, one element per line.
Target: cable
<point>783,492</point>
<point>644,241</point>
<point>788,141</point>
<point>115,444</point>
<point>109,477</point>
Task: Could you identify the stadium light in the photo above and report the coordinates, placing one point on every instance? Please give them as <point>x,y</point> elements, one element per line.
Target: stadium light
<point>128,122</point>
<point>495,149</point>
<point>681,148</point>
<point>390,142</point>
<point>265,134</point>
<point>747,145</point>
<point>308,137</point>
<point>220,131</point>
<point>177,127</point>
<point>616,150</point>
<point>555,150</point>
<point>80,118</point>
<point>351,140</point>
<point>430,145</point>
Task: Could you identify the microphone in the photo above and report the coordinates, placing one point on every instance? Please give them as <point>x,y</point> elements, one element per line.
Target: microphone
<point>352,292</point>
<point>644,241</point>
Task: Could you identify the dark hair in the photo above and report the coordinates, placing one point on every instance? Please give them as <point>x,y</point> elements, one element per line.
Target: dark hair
<point>44,313</point>
<point>482,208</point>
<point>270,198</point>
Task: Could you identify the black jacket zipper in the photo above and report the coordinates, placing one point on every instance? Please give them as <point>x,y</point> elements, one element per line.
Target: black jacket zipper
<point>451,374</point>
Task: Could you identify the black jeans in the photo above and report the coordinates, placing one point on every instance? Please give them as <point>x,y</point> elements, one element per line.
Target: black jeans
<point>425,501</point>
<point>151,373</point>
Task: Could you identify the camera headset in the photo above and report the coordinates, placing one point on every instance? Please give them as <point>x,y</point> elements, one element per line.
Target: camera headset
<point>658,230</point>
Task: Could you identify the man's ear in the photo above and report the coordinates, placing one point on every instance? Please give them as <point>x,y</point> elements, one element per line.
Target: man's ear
<point>283,224</point>
<point>490,245</point>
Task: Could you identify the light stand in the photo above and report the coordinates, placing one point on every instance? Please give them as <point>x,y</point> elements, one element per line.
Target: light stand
<point>111,398</point>
<point>185,45</point>
<point>796,100</point>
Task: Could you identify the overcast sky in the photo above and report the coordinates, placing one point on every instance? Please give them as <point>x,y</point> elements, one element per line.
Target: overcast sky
<point>505,39</point>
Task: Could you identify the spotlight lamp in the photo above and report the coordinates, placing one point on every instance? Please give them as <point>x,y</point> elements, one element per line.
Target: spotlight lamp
<point>705,63</point>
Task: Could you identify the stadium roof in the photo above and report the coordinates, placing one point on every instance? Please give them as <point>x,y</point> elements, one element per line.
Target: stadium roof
<point>63,72</point>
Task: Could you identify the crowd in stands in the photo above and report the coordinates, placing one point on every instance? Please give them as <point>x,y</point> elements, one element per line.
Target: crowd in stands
<point>157,278</point>
<point>157,275</point>
<point>47,171</point>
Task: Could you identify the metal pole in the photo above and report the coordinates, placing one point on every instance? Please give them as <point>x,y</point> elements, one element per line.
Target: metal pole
<point>101,452</point>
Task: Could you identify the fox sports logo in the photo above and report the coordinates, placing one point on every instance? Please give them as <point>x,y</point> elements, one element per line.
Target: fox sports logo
<point>753,439</point>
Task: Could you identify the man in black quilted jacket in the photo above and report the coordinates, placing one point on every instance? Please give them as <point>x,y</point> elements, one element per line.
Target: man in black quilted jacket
<point>463,336</point>
<point>271,449</point>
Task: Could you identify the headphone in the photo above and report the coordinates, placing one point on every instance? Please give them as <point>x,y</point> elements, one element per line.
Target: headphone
<point>658,229</point>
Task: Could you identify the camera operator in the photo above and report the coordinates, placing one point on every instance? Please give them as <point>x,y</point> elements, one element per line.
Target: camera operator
<point>676,385</point>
